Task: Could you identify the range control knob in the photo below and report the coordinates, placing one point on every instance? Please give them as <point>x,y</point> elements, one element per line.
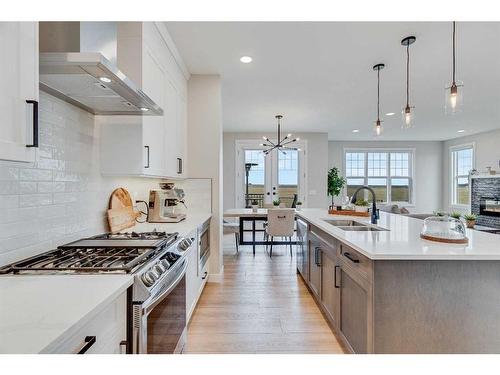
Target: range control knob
<point>148,278</point>
<point>159,269</point>
<point>165,264</point>
<point>184,244</point>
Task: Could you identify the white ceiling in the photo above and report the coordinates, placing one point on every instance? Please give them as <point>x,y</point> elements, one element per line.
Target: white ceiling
<point>319,75</point>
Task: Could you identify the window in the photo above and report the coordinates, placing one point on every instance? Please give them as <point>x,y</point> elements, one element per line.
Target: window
<point>387,172</point>
<point>256,175</point>
<point>288,171</point>
<point>462,159</point>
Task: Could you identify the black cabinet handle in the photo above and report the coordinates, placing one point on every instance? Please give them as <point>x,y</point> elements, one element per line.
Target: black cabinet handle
<point>317,256</point>
<point>349,256</point>
<point>88,342</point>
<point>335,277</point>
<point>179,165</point>
<point>204,276</point>
<point>147,160</point>
<point>35,123</point>
<point>268,193</point>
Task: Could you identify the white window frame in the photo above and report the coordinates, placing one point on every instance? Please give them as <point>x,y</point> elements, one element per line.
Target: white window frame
<point>411,171</point>
<point>454,177</point>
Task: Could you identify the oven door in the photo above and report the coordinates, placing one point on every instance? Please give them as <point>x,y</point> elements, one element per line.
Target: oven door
<point>160,322</point>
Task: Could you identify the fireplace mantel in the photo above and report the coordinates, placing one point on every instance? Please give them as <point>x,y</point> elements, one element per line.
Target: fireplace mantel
<point>484,175</point>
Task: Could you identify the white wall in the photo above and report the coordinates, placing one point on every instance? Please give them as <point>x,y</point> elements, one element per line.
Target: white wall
<point>62,196</point>
<point>487,154</point>
<point>317,164</point>
<point>205,152</point>
<point>428,168</point>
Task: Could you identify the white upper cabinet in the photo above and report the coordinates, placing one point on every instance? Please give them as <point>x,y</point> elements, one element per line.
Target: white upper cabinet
<point>151,145</point>
<point>19,91</point>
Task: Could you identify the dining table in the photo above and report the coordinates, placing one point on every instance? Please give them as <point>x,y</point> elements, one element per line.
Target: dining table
<point>249,215</point>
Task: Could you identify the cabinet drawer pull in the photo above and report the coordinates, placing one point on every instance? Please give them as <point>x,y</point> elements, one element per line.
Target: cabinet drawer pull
<point>88,342</point>
<point>317,256</point>
<point>349,256</point>
<point>179,166</point>
<point>204,276</point>
<point>35,123</point>
<point>147,157</point>
<point>335,277</point>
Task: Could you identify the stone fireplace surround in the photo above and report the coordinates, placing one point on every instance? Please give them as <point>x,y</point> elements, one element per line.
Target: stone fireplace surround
<point>484,186</point>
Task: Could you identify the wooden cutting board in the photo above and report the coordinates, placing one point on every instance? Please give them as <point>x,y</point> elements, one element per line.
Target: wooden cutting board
<point>348,213</point>
<point>121,214</point>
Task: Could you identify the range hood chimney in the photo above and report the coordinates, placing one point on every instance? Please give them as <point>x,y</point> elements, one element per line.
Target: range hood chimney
<point>78,64</point>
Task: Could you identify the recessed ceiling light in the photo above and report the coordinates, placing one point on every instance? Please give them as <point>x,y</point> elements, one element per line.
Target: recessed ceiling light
<point>355,131</point>
<point>461,131</point>
<point>144,109</point>
<point>105,79</point>
<point>245,59</point>
<point>390,114</point>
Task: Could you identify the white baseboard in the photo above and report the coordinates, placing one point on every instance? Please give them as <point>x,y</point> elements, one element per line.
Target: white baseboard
<point>216,277</point>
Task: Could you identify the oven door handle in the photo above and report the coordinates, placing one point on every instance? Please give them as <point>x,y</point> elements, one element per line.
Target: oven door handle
<point>155,301</point>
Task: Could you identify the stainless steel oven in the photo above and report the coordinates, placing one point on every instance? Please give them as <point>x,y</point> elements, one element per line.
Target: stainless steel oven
<point>204,244</point>
<point>159,322</point>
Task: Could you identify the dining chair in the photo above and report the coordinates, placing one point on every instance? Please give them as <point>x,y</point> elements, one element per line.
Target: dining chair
<point>229,227</point>
<point>280,223</point>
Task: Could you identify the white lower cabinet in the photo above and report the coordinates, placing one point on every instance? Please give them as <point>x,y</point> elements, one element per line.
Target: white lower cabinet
<point>195,278</point>
<point>107,330</point>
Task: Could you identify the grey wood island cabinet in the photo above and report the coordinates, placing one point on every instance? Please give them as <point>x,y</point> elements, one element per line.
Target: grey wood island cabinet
<point>389,302</point>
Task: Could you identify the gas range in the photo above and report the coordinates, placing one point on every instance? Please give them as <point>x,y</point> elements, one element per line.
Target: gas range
<point>158,264</point>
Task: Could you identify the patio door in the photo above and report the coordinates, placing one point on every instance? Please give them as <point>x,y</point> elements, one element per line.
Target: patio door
<point>274,176</point>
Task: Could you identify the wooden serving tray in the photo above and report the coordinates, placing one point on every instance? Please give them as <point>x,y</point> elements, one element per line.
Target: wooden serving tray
<point>444,240</point>
<point>348,213</point>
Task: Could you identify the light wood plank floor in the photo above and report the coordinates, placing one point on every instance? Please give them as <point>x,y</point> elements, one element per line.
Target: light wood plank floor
<point>262,306</point>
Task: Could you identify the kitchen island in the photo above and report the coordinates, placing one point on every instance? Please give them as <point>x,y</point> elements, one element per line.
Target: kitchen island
<point>388,291</point>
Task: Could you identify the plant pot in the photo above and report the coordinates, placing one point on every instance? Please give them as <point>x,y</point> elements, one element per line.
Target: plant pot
<point>276,206</point>
<point>255,207</point>
<point>298,207</point>
<point>360,208</point>
<point>470,223</point>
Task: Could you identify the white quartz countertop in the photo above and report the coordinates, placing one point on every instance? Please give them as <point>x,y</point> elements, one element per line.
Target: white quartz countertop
<point>38,312</point>
<point>184,227</point>
<point>402,241</point>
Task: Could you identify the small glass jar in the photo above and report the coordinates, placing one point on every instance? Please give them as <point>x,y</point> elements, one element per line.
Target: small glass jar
<point>444,229</point>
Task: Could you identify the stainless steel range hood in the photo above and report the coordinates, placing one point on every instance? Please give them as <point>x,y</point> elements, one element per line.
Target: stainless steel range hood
<point>78,65</point>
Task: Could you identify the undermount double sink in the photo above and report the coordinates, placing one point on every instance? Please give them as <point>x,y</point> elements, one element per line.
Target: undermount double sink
<point>353,226</point>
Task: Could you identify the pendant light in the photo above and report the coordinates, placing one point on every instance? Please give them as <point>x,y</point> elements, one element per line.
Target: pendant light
<point>408,115</point>
<point>453,96</point>
<point>282,144</point>
<point>378,123</point>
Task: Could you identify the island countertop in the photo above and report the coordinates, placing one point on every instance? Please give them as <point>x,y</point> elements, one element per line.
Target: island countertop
<point>402,239</point>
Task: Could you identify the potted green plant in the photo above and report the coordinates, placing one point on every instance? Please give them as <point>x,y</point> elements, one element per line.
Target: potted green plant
<point>361,205</point>
<point>439,213</point>
<point>335,184</point>
<point>276,202</point>
<point>470,220</point>
<point>456,215</point>
<point>255,205</point>
<point>298,206</point>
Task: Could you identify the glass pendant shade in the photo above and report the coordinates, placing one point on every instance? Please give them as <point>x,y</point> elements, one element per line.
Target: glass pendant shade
<point>378,128</point>
<point>408,117</point>
<point>454,98</point>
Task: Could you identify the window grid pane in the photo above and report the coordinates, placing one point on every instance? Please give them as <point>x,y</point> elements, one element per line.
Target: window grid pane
<point>462,165</point>
<point>377,164</point>
<point>355,164</point>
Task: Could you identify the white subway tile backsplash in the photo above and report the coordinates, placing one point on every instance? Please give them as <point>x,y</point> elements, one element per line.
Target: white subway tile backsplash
<point>62,196</point>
